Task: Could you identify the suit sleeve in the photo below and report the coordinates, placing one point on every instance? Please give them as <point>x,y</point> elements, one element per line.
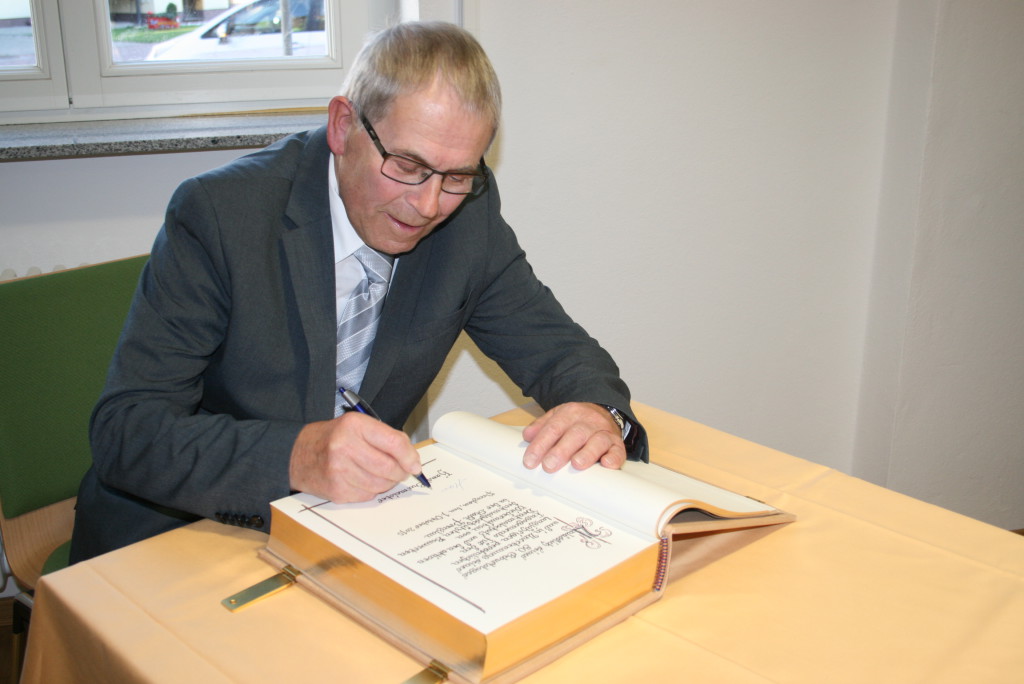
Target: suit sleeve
<point>519,323</point>
<point>152,436</point>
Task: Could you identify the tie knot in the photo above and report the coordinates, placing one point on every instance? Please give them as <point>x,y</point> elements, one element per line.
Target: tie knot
<point>377,265</point>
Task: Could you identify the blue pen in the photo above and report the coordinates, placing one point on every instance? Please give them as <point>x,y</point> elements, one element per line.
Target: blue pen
<point>356,402</point>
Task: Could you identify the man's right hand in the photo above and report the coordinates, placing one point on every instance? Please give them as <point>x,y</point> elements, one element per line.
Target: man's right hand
<point>350,458</point>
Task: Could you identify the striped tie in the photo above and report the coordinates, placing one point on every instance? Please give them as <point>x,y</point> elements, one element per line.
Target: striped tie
<point>359,323</point>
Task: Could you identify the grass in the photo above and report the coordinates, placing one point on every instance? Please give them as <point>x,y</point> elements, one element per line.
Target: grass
<point>136,34</point>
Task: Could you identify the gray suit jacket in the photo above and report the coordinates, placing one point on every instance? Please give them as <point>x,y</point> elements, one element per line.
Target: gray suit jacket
<point>229,346</point>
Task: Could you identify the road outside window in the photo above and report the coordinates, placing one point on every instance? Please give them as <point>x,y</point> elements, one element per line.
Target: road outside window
<point>17,37</point>
<point>254,29</point>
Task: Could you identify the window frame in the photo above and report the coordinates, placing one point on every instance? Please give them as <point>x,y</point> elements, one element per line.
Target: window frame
<point>77,79</point>
<point>43,86</point>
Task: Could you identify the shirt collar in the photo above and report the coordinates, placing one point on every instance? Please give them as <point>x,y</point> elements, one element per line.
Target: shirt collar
<point>346,240</point>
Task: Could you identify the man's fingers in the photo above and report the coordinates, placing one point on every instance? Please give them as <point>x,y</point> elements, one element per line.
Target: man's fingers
<point>578,433</point>
<point>571,444</point>
<point>603,448</point>
<point>396,446</point>
<point>539,440</point>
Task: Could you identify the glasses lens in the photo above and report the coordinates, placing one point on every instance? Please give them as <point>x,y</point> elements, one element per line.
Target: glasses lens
<point>405,170</point>
<point>413,173</point>
<point>459,185</point>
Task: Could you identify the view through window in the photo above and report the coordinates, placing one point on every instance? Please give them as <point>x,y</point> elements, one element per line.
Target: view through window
<point>206,30</point>
<point>195,30</point>
<point>217,30</point>
<point>17,35</point>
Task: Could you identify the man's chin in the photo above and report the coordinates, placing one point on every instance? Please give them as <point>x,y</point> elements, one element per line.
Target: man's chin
<point>397,248</point>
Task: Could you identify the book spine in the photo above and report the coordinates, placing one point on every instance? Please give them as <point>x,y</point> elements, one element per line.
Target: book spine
<point>664,551</point>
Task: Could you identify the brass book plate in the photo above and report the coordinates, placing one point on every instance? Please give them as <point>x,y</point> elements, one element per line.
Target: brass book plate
<point>260,590</point>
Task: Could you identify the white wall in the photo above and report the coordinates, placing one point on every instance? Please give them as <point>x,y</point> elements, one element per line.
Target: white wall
<point>761,209</point>
<point>708,172</point>
<point>63,213</point>
<point>829,278</point>
<point>945,362</point>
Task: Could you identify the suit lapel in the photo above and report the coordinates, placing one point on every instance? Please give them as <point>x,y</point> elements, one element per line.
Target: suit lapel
<point>308,251</point>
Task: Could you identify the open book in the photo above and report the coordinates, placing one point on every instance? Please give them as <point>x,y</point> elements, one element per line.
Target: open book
<point>497,569</point>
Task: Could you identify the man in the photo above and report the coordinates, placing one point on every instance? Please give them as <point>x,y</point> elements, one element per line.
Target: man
<point>223,394</point>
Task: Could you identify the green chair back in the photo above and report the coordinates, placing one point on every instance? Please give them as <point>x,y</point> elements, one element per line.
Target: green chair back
<point>57,336</point>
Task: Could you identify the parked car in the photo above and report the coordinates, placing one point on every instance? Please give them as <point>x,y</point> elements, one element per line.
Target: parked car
<point>250,31</point>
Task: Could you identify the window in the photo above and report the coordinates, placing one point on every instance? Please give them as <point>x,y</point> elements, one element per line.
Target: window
<point>258,29</point>
<point>17,36</point>
<point>96,59</point>
<point>31,75</point>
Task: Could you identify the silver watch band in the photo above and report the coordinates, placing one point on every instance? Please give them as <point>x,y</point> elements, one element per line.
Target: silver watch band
<point>620,420</point>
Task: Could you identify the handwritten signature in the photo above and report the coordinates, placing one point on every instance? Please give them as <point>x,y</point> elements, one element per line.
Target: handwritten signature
<point>454,484</point>
<point>590,536</point>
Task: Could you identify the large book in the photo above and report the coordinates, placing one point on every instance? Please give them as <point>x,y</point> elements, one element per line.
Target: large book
<point>497,569</point>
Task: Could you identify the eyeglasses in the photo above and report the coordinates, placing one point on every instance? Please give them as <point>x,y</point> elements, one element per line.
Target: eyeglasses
<point>412,172</point>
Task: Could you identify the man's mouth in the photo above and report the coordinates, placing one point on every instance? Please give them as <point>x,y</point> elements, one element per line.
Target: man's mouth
<point>408,227</point>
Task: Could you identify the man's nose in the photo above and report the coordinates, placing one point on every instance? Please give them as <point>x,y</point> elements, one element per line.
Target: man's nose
<point>426,197</point>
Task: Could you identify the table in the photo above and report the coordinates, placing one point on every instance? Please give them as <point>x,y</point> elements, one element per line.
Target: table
<point>866,586</point>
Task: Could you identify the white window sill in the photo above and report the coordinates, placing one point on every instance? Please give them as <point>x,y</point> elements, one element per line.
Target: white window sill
<point>31,142</point>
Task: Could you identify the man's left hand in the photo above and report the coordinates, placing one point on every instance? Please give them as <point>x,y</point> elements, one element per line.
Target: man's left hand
<point>578,433</point>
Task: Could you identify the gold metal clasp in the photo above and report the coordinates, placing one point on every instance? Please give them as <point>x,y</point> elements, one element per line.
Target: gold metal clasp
<point>268,587</point>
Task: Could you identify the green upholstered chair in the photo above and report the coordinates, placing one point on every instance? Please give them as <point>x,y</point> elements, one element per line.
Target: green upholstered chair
<point>57,335</point>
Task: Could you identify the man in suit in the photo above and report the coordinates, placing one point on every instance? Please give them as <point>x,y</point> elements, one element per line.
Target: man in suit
<point>223,393</point>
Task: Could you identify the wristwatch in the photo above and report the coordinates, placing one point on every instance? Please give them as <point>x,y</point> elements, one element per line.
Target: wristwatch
<point>624,425</point>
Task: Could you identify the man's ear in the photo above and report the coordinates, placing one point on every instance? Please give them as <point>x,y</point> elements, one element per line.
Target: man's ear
<point>341,123</point>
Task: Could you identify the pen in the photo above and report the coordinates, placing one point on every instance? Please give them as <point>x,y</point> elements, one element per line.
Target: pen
<point>359,404</point>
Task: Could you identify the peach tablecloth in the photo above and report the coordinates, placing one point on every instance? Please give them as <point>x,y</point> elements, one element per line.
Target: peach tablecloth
<point>866,586</point>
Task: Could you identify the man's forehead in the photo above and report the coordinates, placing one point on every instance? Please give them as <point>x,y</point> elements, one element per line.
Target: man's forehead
<point>436,128</point>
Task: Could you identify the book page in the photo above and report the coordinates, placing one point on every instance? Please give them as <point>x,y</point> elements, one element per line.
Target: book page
<point>642,496</point>
<point>714,500</point>
<point>480,546</point>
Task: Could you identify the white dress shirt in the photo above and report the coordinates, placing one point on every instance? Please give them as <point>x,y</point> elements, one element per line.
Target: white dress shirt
<point>348,272</point>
